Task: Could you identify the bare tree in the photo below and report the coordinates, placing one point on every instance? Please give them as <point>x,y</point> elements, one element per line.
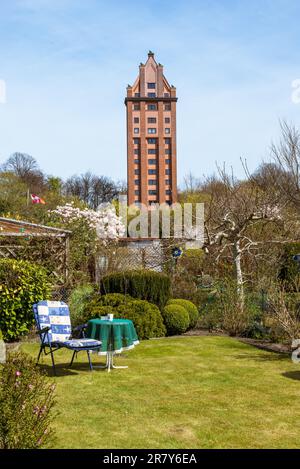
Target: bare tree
<point>25,167</point>
<point>92,189</point>
<point>286,155</point>
<point>234,212</point>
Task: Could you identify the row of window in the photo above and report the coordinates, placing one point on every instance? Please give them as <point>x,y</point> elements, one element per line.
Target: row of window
<point>151,141</point>
<point>151,95</point>
<point>168,182</point>
<point>151,120</point>
<point>152,106</point>
<point>153,151</point>
<point>152,161</point>
<point>153,192</point>
<point>151,130</point>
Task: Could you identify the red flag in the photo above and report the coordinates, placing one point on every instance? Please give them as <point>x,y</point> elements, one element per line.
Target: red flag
<point>36,199</point>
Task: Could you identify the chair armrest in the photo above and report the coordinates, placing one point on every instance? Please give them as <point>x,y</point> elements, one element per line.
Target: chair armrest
<point>42,331</point>
<point>80,330</point>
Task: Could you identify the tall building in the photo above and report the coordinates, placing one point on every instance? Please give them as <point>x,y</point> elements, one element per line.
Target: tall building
<point>151,136</point>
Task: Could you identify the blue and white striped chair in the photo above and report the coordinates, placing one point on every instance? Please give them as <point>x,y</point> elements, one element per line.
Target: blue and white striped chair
<point>54,328</point>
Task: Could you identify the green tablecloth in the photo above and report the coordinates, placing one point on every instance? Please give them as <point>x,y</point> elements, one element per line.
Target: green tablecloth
<point>116,335</point>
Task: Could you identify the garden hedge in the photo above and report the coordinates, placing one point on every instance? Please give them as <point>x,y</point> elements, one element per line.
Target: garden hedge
<point>21,285</point>
<point>146,316</point>
<point>147,285</point>
<point>176,319</point>
<point>189,307</point>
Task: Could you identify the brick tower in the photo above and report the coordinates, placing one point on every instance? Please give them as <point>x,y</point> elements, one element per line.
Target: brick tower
<point>151,137</point>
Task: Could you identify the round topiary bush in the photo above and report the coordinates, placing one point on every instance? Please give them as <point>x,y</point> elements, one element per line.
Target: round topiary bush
<point>189,307</point>
<point>145,316</point>
<point>21,285</point>
<point>176,319</point>
<point>154,287</point>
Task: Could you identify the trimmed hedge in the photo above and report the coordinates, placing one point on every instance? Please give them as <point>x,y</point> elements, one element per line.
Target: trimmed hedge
<point>147,285</point>
<point>176,319</point>
<point>146,317</point>
<point>21,285</point>
<point>189,307</point>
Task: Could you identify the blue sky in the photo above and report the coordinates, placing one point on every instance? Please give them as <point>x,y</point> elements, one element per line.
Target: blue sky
<point>66,65</point>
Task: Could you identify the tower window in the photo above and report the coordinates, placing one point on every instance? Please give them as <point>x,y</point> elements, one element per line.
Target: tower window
<point>168,151</point>
<point>151,171</point>
<point>168,161</point>
<point>151,131</point>
<point>151,86</point>
<point>152,141</point>
<point>167,130</point>
<point>151,120</point>
<point>136,107</point>
<point>151,95</point>
<point>152,192</point>
<point>167,120</point>
<point>151,107</point>
<point>167,141</point>
<point>136,161</point>
<point>136,171</point>
<point>151,161</point>
<point>136,130</point>
<point>136,141</point>
<point>168,192</point>
<point>151,151</point>
<point>136,120</point>
<point>166,95</point>
<point>136,151</point>
<point>137,182</point>
<point>137,192</point>
<point>167,107</point>
<point>168,171</point>
<point>152,182</point>
<point>168,182</point>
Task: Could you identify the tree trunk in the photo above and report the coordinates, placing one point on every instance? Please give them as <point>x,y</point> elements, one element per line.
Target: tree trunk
<point>239,273</point>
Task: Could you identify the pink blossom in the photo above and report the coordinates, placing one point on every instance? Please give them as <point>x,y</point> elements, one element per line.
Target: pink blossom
<point>18,373</point>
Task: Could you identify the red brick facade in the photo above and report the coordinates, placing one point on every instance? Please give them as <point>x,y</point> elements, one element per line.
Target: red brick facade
<point>151,137</point>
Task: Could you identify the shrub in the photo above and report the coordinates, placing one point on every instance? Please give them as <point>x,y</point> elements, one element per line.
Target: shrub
<point>289,269</point>
<point>147,285</point>
<point>190,308</point>
<point>115,299</point>
<point>78,302</point>
<point>145,316</point>
<point>176,319</point>
<point>21,285</point>
<point>26,401</point>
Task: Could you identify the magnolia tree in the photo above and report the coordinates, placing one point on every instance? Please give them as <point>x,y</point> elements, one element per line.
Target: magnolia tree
<point>94,233</point>
<point>104,221</point>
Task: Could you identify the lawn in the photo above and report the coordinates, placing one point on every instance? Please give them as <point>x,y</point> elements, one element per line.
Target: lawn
<point>189,392</point>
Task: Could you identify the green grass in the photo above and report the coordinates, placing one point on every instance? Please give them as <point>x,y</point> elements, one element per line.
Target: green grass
<point>190,392</point>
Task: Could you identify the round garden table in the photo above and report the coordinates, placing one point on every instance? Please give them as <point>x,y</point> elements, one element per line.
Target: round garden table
<point>116,336</point>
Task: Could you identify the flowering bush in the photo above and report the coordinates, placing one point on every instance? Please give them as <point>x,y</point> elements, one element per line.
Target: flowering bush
<point>26,401</point>
<point>105,220</point>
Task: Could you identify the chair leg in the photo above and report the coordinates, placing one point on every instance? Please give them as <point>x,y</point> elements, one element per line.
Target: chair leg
<point>89,358</point>
<point>73,356</point>
<point>39,355</point>
<point>52,359</point>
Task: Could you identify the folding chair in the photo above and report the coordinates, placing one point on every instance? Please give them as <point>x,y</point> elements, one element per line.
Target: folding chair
<point>54,328</point>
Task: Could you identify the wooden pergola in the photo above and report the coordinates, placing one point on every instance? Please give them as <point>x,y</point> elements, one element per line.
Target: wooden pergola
<point>43,244</point>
